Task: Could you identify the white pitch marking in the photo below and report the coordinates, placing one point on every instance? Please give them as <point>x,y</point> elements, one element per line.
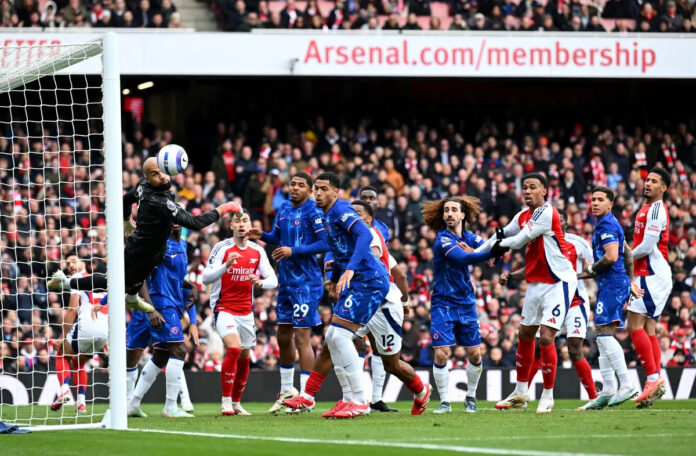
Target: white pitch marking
<point>567,436</point>
<point>377,443</point>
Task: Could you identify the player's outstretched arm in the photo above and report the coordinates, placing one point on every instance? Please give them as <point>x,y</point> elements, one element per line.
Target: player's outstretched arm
<point>537,226</point>
<point>510,229</point>
<point>193,222</point>
<point>272,237</point>
<point>459,257</point>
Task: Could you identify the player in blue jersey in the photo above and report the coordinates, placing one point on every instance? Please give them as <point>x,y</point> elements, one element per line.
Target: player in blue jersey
<point>298,230</point>
<point>453,304</point>
<point>614,288</point>
<point>361,283</point>
<point>368,194</point>
<point>166,288</point>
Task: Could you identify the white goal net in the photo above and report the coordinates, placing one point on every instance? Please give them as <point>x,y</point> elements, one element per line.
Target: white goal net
<point>54,346</point>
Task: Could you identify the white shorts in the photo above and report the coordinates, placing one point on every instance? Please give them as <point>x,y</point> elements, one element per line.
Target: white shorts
<point>547,303</point>
<point>89,336</point>
<point>385,326</point>
<point>243,325</point>
<point>657,290</point>
<point>575,323</point>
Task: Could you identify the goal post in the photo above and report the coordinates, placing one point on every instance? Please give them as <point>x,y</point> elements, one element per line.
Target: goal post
<point>61,179</point>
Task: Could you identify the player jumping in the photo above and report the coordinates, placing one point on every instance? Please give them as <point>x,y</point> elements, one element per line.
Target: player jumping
<point>168,290</point>
<point>552,283</point>
<point>233,270</point>
<point>144,250</point>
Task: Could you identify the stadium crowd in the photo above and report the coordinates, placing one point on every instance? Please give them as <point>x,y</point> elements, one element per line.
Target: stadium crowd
<point>673,16</point>
<point>50,14</point>
<point>49,206</point>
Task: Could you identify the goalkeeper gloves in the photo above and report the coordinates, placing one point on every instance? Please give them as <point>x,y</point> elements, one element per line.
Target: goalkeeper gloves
<point>129,226</point>
<point>226,208</point>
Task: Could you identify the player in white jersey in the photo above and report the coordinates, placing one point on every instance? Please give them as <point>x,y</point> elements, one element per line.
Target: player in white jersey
<point>552,283</point>
<point>654,277</point>
<point>235,267</point>
<point>384,328</point>
<point>575,323</point>
<point>84,334</point>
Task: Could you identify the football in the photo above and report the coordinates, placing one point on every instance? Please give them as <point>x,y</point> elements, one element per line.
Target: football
<point>172,159</point>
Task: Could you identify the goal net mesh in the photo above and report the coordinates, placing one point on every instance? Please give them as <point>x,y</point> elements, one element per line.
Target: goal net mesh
<point>54,357</point>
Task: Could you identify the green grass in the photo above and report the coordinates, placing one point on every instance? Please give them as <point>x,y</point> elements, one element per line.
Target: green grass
<point>668,428</point>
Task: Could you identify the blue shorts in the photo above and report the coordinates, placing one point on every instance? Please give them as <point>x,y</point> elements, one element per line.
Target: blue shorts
<point>359,303</point>
<point>171,330</point>
<point>138,331</point>
<point>297,306</point>
<point>610,303</point>
<point>453,325</point>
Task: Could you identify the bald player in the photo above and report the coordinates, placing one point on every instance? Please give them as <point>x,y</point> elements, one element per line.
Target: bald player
<point>157,214</point>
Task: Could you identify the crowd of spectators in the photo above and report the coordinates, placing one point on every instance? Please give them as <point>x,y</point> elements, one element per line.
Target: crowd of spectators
<point>52,203</point>
<point>58,14</point>
<point>675,16</point>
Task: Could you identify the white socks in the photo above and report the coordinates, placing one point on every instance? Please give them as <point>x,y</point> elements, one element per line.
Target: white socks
<point>610,347</point>
<point>183,389</point>
<point>175,369</point>
<point>131,379</point>
<point>441,374</point>
<point>378,377</point>
<point>343,381</point>
<point>608,378</point>
<point>147,378</point>
<point>473,375</point>
<point>287,375</point>
<point>304,376</point>
<point>343,353</point>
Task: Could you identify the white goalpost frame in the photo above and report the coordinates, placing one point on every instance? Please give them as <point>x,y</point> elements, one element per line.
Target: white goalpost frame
<point>116,416</point>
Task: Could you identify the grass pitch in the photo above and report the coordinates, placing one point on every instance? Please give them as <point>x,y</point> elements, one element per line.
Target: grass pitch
<point>668,428</point>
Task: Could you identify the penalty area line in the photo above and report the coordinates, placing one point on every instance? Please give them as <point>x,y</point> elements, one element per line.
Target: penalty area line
<point>376,443</point>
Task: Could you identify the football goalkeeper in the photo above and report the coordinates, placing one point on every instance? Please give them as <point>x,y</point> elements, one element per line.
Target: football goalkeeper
<point>157,213</point>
